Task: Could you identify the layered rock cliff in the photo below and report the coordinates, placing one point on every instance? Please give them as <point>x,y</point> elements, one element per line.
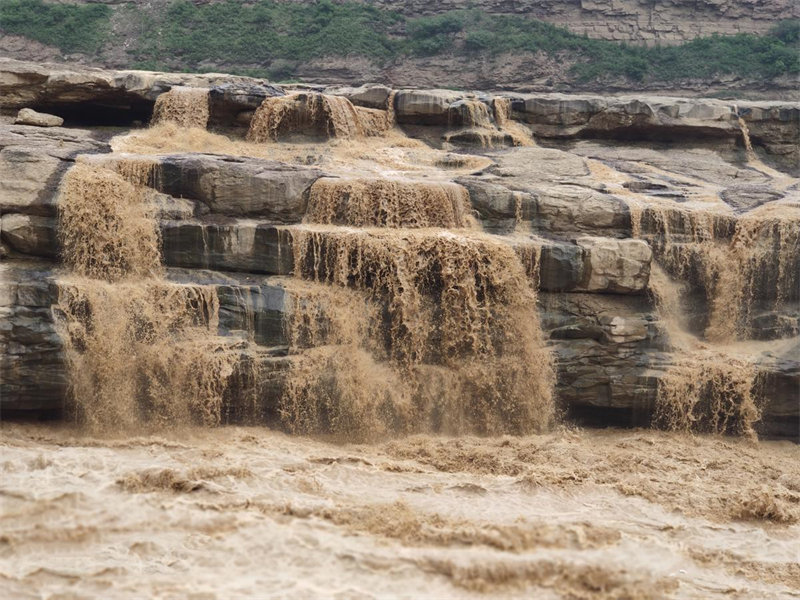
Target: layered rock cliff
<point>529,46</point>
<point>638,21</point>
<point>646,225</point>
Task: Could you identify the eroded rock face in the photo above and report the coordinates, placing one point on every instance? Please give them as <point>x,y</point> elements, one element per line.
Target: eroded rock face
<point>629,20</point>
<point>98,96</point>
<point>568,210</point>
<point>32,162</point>
<point>32,371</point>
<point>231,186</point>
<point>773,124</point>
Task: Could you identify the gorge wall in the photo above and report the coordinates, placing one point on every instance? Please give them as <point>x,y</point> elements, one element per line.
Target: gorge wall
<point>369,261</point>
<point>529,46</point>
<point>638,21</point>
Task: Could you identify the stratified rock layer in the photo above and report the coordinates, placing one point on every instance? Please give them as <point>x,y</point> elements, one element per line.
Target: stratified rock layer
<point>593,218</point>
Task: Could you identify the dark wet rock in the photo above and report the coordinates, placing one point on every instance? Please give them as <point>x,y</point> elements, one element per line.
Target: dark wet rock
<point>233,104</point>
<point>245,246</point>
<point>230,185</point>
<point>32,374</point>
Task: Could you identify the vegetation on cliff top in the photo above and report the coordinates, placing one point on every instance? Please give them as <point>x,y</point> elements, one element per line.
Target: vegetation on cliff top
<point>274,38</point>
<point>70,27</point>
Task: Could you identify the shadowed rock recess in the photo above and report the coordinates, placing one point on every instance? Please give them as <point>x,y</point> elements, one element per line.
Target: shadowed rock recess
<point>367,261</point>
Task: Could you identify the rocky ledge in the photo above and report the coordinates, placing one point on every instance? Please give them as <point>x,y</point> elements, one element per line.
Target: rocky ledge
<point>614,186</point>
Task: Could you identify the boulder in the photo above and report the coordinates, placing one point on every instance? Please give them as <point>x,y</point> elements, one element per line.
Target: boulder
<point>499,209</point>
<point>230,185</point>
<point>233,104</point>
<point>29,234</point>
<point>593,265</point>
<point>424,107</point>
<point>369,95</point>
<point>615,266</point>
<point>28,116</point>
<point>32,162</point>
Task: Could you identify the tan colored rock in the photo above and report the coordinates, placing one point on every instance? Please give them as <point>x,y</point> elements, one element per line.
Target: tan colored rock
<point>28,116</point>
<point>30,234</point>
<point>369,95</point>
<point>425,107</point>
<point>616,266</point>
<point>32,162</point>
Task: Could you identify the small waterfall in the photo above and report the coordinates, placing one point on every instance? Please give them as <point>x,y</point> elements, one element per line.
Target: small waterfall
<point>184,106</point>
<point>734,261</point>
<point>487,125</point>
<point>737,262</point>
<point>305,114</point>
<point>751,155</point>
<point>454,325</point>
<point>140,350</point>
<point>389,203</point>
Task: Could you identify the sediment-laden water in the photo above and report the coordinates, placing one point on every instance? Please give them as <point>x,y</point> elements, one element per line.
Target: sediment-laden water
<point>249,512</point>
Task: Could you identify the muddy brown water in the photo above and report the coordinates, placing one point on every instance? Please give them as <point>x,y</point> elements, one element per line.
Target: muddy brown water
<point>249,512</point>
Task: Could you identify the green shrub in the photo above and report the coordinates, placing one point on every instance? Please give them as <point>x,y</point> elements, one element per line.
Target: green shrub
<point>480,41</point>
<point>787,31</point>
<point>264,31</point>
<point>70,27</point>
<point>275,38</point>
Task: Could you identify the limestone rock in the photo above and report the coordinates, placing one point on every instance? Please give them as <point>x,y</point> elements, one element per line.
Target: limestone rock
<point>369,95</point>
<point>31,235</point>
<point>617,266</point>
<point>28,116</point>
<point>32,162</point>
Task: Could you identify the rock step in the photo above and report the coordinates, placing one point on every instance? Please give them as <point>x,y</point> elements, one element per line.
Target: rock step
<point>590,264</point>
<point>102,97</point>
<point>610,349</point>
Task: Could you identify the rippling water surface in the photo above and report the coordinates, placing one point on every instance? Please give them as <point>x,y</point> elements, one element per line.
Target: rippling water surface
<point>249,512</point>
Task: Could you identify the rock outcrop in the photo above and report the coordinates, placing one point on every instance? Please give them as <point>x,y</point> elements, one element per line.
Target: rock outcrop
<point>629,20</point>
<point>93,96</point>
<point>28,116</point>
<point>596,219</point>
